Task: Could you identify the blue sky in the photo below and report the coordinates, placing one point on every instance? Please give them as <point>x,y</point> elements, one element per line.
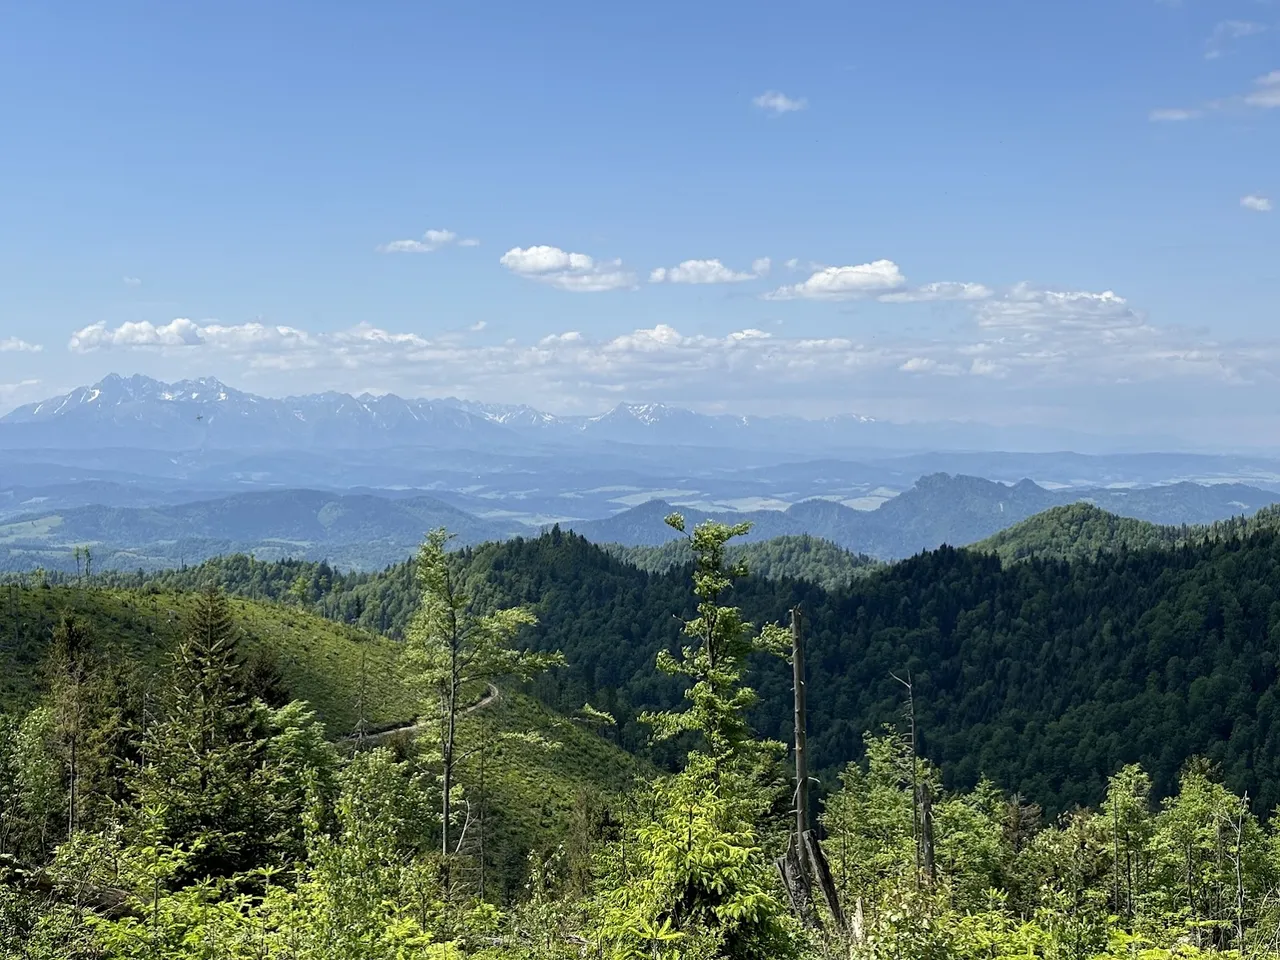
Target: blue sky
<point>1003,211</point>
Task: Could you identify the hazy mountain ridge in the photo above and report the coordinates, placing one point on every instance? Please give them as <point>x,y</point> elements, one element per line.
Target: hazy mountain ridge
<point>938,509</point>
<point>194,414</point>
<point>202,413</point>
<point>370,531</point>
<point>353,531</point>
<point>206,412</point>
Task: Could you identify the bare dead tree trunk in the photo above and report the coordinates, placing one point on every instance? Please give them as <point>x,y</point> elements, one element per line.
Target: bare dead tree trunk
<point>792,864</point>
<point>915,771</point>
<point>1239,825</point>
<point>449,735</point>
<point>802,758</point>
<point>483,801</point>
<point>1115,852</point>
<point>926,832</point>
<point>821,872</point>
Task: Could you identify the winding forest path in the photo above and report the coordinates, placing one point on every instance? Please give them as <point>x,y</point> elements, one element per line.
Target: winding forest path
<point>491,695</point>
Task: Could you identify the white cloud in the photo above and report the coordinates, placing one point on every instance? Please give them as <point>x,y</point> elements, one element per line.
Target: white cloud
<point>182,332</point>
<point>1228,31</point>
<point>845,283</point>
<point>792,264</point>
<point>131,281</point>
<point>986,368</point>
<point>1264,95</point>
<point>761,266</point>
<point>1174,115</point>
<point>431,241</point>
<point>699,271</point>
<point>1266,91</point>
<point>16,393</point>
<point>575,272</point>
<point>1256,203</point>
<point>939,291</point>
<point>477,326</point>
<point>14,345</point>
<point>1077,343</point>
<point>1030,311</point>
<point>779,103</point>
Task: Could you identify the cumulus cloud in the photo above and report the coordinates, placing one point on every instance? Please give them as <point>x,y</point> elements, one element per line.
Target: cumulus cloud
<point>779,103</point>
<point>1027,338</point>
<point>131,281</point>
<point>1028,310</point>
<point>14,345</point>
<point>701,271</point>
<point>575,272</point>
<point>1227,32</point>
<point>1256,203</point>
<point>182,332</point>
<point>845,283</point>
<point>761,266</point>
<point>431,241</point>
<point>939,291</point>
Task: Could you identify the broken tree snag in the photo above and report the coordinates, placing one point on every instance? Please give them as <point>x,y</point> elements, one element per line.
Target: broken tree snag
<point>857,934</point>
<point>802,757</point>
<point>820,871</point>
<point>926,832</point>
<point>796,881</point>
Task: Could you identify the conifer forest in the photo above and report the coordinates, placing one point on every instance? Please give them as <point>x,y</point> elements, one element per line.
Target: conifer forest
<point>538,750</point>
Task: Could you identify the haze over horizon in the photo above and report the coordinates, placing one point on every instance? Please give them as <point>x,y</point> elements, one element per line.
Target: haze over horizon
<point>722,209</point>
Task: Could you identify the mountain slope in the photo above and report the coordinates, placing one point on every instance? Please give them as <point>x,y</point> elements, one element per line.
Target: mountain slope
<point>346,674</point>
<point>319,660</point>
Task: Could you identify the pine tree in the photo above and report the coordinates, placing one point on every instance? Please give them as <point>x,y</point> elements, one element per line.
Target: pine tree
<point>691,876</point>
<point>715,659</point>
<point>202,760</point>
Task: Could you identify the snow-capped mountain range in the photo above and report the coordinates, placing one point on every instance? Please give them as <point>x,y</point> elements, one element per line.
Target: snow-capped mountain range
<point>139,411</point>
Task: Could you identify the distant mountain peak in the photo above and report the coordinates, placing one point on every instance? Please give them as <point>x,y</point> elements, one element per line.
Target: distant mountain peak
<point>205,413</point>
<point>646,413</point>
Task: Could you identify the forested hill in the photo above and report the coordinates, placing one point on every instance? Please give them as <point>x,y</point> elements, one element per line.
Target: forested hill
<point>384,601</point>
<point>1045,675</point>
<point>801,557</point>
<point>1081,530</point>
